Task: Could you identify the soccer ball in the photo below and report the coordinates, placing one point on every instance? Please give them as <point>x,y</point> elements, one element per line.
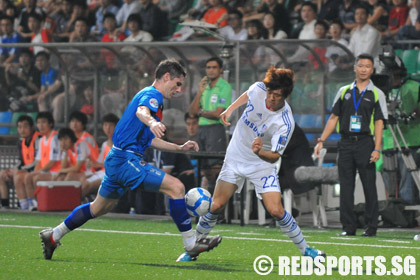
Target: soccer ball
<point>198,202</point>
<point>417,237</point>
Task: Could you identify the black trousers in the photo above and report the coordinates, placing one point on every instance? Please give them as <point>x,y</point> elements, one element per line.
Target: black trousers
<point>354,154</point>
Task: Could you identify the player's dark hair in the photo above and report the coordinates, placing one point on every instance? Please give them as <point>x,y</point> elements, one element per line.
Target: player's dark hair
<point>363,56</point>
<point>46,115</point>
<point>26,118</point>
<point>67,132</point>
<point>279,78</point>
<point>215,58</point>
<point>188,116</point>
<point>79,116</point>
<point>110,118</point>
<point>171,66</point>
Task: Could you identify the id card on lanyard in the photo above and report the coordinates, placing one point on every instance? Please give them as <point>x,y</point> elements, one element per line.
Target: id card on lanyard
<point>355,120</point>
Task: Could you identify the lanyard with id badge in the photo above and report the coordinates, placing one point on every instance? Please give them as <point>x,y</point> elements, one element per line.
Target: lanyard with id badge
<point>355,120</point>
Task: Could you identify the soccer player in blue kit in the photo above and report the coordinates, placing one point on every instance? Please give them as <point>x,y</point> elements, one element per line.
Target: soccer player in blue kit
<point>139,128</point>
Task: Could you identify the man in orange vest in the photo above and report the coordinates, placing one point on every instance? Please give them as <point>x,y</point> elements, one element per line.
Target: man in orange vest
<point>48,157</point>
<point>92,183</point>
<point>78,122</point>
<point>27,147</point>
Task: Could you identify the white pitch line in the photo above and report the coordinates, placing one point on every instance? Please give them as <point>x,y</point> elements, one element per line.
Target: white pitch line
<point>226,237</point>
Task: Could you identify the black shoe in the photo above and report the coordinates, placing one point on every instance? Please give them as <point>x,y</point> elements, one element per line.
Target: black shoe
<point>370,232</point>
<point>347,233</point>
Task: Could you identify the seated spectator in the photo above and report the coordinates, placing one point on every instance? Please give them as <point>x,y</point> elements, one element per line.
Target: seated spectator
<point>47,160</point>
<point>81,32</point>
<point>365,38</point>
<point>321,29</point>
<point>9,54</point>
<point>51,84</point>
<point>347,12</point>
<point>30,8</point>
<point>112,35</point>
<point>74,155</point>
<point>136,34</point>
<point>78,122</point>
<point>269,22</point>
<point>409,32</point>
<point>153,20</point>
<point>337,56</point>
<point>129,7</point>
<point>92,183</point>
<point>278,10</point>
<point>256,30</point>
<point>24,81</point>
<point>105,6</point>
<point>378,14</point>
<point>12,12</point>
<point>88,108</point>
<point>63,19</point>
<point>39,35</point>
<point>306,30</point>
<point>397,18</point>
<point>234,29</point>
<point>216,14</point>
<point>28,146</point>
<point>328,10</point>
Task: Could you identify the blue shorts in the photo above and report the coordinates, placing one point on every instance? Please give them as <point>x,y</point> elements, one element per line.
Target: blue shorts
<point>125,170</point>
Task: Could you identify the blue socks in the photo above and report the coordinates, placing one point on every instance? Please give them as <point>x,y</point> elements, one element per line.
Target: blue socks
<point>179,214</point>
<point>79,216</point>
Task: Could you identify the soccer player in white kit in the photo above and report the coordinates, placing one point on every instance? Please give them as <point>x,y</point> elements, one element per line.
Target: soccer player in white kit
<point>260,138</point>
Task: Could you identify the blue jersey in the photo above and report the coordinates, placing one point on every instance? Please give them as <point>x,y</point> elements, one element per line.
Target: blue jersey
<point>130,133</point>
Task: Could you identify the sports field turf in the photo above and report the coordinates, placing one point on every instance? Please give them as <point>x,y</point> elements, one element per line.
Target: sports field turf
<point>116,248</point>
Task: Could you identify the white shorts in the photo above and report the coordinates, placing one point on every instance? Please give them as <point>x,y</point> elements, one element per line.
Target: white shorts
<point>98,175</point>
<point>264,179</point>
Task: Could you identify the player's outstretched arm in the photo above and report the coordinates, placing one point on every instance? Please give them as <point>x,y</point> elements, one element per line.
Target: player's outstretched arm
<point>241,100</point>
<point>157,128</point>
<point>160,144</point>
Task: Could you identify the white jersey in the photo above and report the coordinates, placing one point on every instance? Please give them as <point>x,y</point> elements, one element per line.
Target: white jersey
<point>274,128</point>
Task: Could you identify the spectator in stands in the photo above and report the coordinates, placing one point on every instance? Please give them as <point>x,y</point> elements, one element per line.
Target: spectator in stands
<point>413,12</point>
<point>365,38</point>
<point>129,7</point>
<point>213,97</point>
<point>88,108</point>
<point>78,122</point>
<point>269,22</point>
<point>12,12</point>
<point>410,32</point>
<point>397,18</point>
<point>74,153</point>
<point>47,159</point>
<point>328,10</point>
<point>280,13</point>
<point>191,123</point>
<point>51,83</point>
<point>234,30</point>
<point>28,147</point>
<point>216,14</point>
<point>347,12</point>
<point>9,36</point>
<point>39,35</point>
<point>3,5</point>
<point>136,34</point>
<point>92,183</point>
<point>24,81</point>
<point>81,32</point>
<point>106,6</point>
<point>256,30</point>
<point>30,8</point>
<point>174,8</point>
<point>321,29</point>
<point>336,55</point>
<point>64,20</point>
<point>378,14</point>
<point>153,20</point>
<point>306,30</point>
<point>58,103</point>
<point>112,35</point>
<point>199,9</point>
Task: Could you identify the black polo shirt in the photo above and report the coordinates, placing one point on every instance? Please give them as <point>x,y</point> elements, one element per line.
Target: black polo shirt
<point>344,108</point>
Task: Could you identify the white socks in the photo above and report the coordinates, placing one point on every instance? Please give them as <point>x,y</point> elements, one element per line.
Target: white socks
<point>188,237</point>
<point>289,226</point>
<point>59,231</point>
<point>206,224</point>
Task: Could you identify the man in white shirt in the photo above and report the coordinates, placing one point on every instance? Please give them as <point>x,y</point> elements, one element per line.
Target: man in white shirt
<point>234,29</point>
<point>129,7</point>
<point>365,38</point>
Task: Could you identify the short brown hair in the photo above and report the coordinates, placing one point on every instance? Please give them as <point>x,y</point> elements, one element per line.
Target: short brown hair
<point>279,78</point>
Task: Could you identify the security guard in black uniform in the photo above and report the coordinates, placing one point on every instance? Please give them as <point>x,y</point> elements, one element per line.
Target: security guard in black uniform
<point>358,113</point>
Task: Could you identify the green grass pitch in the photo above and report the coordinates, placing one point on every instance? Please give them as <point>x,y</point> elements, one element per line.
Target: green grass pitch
<point>117,248</point>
